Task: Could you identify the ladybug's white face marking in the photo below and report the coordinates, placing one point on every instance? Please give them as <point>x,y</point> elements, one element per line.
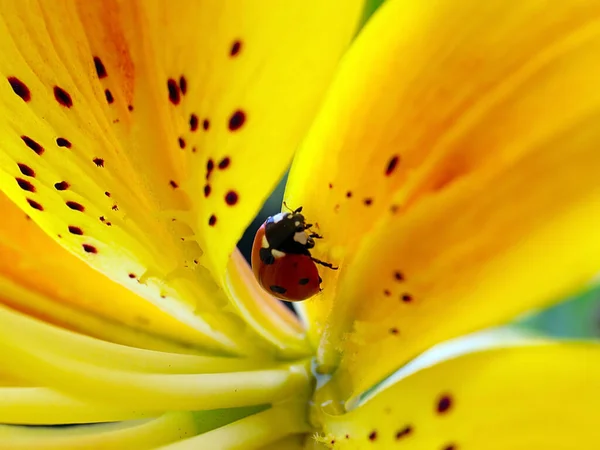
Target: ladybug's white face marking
<point>277,254</point>
<point>279,217</point>
<point>297,223</point>
<point>265,243</point>
<point>300,237</point>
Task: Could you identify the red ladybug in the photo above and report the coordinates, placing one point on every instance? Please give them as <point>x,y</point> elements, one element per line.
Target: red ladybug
<point>281,258</point>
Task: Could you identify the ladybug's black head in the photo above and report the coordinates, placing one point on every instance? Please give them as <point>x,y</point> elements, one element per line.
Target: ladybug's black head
<point>286,232</point>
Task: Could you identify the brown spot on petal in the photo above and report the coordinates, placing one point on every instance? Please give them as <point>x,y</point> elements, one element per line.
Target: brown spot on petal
<point>224,163</point>
<point>75,230</point>
<point>212,220</point>
<point>62,142</point>
<point>25,185</point>
<point>100,69</point>
<point>235,48</point>
<point>26,170</point>
<point>173,88</point>
<point>63,97</point>
<point>75,206</point>
<point>181,142</point>
<point>35,205</point>
<point>20,88</point>
<point>99,162</point>
<point>183,85</point>
<point>207,190</point>
<point>398,276</point>
<point>392,164</point>
<point>406,298</point>
<point>231,198</point>
<point>109,97</point>
<point>444,404</point>
<point>206,124</point>
<point>33,145</point>
<point>193,122</point>
<point>404,432</point>
<point>373,435</point>
<point>237,120</point>
<point>173,184</point>
<point>89,248</point>
<point>61,186</point>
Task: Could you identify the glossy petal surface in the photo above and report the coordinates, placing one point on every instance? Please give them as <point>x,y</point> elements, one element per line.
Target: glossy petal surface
<point>117,114</point>
<point>520,398</point>
<point>453,176</point>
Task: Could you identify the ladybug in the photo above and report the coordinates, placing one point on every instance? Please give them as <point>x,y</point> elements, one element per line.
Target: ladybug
<point>281,259</point>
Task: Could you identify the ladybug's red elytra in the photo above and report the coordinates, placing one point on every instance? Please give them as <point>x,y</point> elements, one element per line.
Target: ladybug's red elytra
<point>281,259</point>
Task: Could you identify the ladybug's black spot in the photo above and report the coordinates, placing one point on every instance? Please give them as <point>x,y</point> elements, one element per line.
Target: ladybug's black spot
<point>235,48</point>
<point>174,95</point>
<point>266,256</point>
<point>33,145</point>
<point>26,170</point>
<point>61,186</point>
<point>237,119</point>
<point>20,88</point>
<point>278,289</point>
<point>25,185</point>
<point>63,97</point>
<point>100,69</point>
<point>303,281</point>
<point>392,164</point>
<point>62,142</point>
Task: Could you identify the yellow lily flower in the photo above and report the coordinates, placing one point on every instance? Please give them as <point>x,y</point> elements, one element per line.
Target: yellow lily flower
<point>449,160</point>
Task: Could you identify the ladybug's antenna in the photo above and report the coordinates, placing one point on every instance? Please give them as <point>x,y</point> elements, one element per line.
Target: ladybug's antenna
<point>293,211</point>
<point>325,264</point>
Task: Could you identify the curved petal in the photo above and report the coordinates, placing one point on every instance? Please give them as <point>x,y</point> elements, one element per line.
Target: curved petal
<point>42,279</point>
<point>249,433</point>
<point>139,434</point>
<point>128,378</point>
<point>117,114</point>
<point>487,210</point>
<point>540,396</point>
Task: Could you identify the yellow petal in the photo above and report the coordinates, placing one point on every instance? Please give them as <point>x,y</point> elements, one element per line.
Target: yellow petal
<point>529,397</point>
<point>40,278</point>
<point>139,434</point>
<point>42,406</point>
<point>252,432</point>
<point>496,169</point>
<point>129,378</point>
<point>115,110</point>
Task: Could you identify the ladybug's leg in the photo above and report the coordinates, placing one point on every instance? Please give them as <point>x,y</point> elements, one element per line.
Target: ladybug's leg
<point>315,235</point>
<point>325,264</point>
